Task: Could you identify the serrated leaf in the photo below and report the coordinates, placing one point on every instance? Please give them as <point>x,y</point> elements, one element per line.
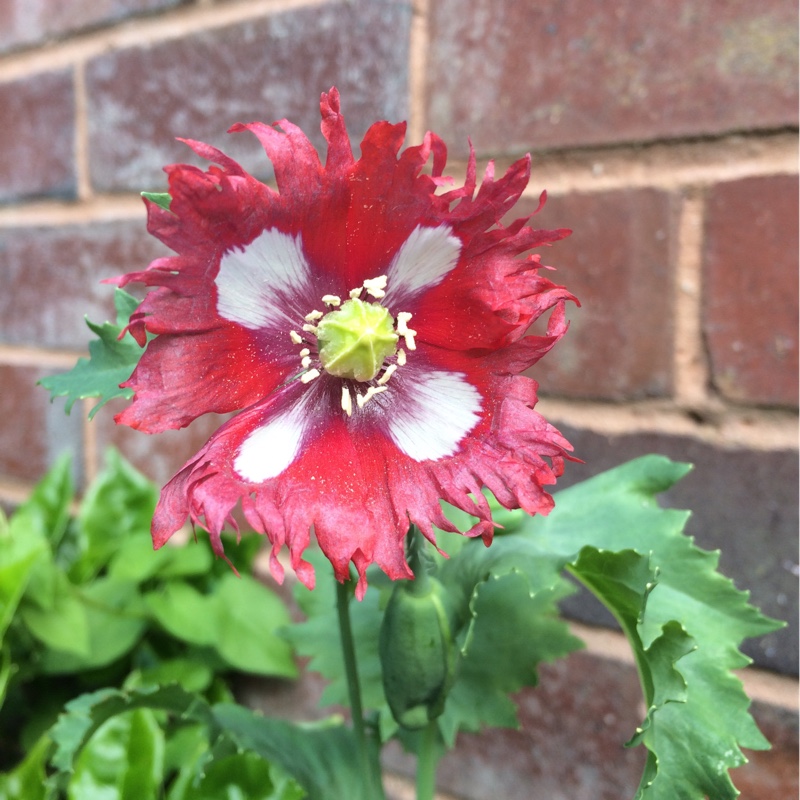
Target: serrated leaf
<point>693,743</point>
<point>112,359</point>
<point>123,760</point>
<point>319,639</point>
<point>85,714</point>
<point>161,199</point>
<point>322,757</point>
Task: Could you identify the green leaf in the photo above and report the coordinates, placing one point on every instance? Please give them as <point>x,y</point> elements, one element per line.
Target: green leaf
<point>512,590</point>
<point>161,199</point>
<point>249,616</point>
<point>118,504</point>
<point>686,635</point>
<point>322,757</point>
<point>27,780</point>
<point>48,506</point>
<point>185,612</point>
<point>244,775</point>
<point>136,560</point>
<point>64,624</point>
<point>85,714</point>
<point>116,619</point>
<point>318,637</point>
<point>123,760</point>
<point>112,359</point>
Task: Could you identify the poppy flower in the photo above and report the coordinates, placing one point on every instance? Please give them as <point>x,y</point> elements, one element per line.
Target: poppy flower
<point>368,326</point>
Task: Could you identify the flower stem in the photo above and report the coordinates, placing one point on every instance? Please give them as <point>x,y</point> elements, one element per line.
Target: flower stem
<point>427,759</point>
<point>369,765</point>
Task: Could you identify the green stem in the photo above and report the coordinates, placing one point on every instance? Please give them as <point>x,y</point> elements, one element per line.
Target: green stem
<point>427,759</point>
<point>369,766</point>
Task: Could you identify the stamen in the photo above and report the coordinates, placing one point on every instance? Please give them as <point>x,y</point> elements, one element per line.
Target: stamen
<point>390,370</point>
<point>309,328</point>
<point>363,399</point>
<point>409,337</point>
<point>331,300</point>
<point>356,293</point>
<point>313,315</point>
<point>304,352</point>
<point>347,401</point>
<point>309,376</point>
<point>402,322</point>
<point>401,357</point>
<point>375,286</point>
<point>305,362</point>
<point>295,337</point>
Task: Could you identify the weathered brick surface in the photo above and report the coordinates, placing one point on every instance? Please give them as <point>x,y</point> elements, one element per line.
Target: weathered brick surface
<point>26,22</point>
<point>619,264</point>
<point>743,502</point>
<point>158,456</point>
<point>37,118</point>
<point>751,289</point>
<point>51,278</point>
<point>514,75</point>
<point>34,431</point>
<point>197,87</point>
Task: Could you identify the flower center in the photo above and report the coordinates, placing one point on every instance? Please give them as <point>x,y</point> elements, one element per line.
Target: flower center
<point>354,340</point>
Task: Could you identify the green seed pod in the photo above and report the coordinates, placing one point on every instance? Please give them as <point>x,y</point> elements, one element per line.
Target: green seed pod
<point>417,651</point>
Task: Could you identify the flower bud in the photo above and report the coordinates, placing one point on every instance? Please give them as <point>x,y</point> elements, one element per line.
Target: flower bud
<point>417,651</point>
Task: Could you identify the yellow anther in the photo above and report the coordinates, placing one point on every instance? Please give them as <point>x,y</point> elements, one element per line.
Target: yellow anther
<point>295,337</point>
<point>401,357</point>
<point>390,370</point>
<point>309,376</point>
<point>347,401</point>
<point>331,300</point>
<point>313,315</point>
<point>310,328</point>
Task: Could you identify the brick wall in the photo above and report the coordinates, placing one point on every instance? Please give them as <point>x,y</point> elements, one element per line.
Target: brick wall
<point>666,136</point>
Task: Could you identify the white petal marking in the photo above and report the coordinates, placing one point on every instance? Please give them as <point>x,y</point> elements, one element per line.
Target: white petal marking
<point>442,409</point>
<point>252,279</point>
<point>270,449</point>
<point>423,260</point>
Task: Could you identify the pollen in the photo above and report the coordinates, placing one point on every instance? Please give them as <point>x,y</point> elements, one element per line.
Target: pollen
<point>305,352</point>
<point>305,362</point>
<point>309,376</point>
<point>402,322</point>
<point>332,300</point>
<point>401,357</point>
<point>375,286</point>
<point>347,401</point>
<point>356,293</point>
<point>295,337</point>
<point>314,315</point>
<point>309,328</point>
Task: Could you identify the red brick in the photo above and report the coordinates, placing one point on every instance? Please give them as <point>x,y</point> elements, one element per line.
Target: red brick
<point>37,122</point>
<point>618,262</point>
<point>140,99</point>
<point>158,456</point>
<point>51,279</point>
<point>514,75</point>
<point>751,289</point>
<point>33,431</point>
<point>26,22</point>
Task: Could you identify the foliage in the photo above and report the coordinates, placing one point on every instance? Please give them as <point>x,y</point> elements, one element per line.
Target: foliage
<point>112,358</point>
<point>86,603</point>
